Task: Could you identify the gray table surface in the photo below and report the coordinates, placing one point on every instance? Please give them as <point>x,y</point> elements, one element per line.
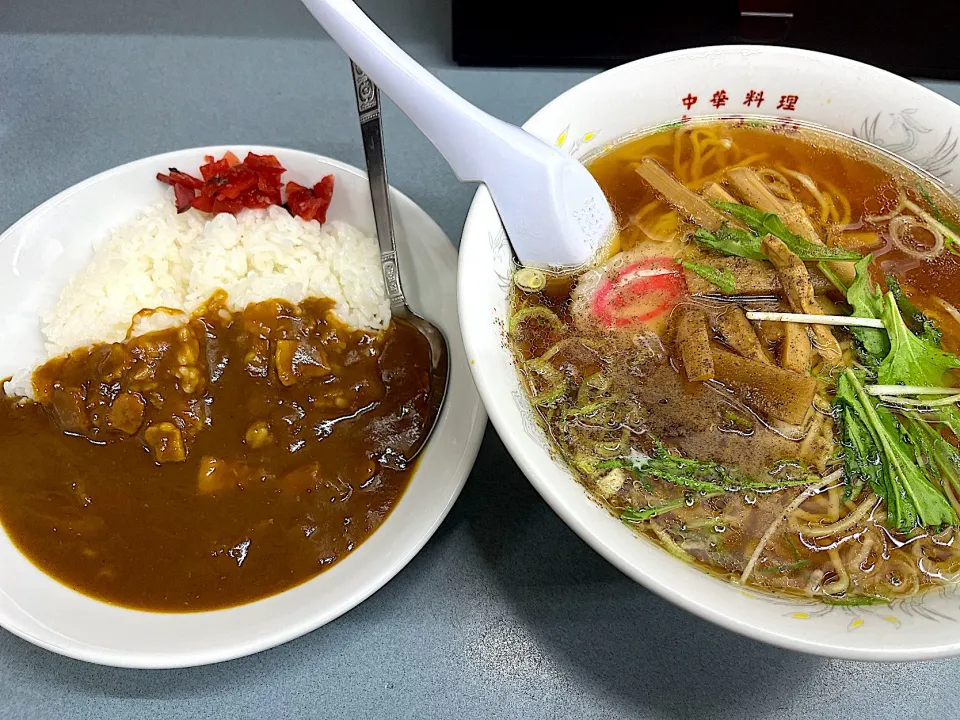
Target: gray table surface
<point>505,613</point>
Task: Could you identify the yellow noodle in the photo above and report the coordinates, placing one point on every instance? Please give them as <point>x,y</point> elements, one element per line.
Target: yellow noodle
<point>669,220</point>
<point>949,568</point>
<point>736,152</point>
<point>722,157</point>
<point>678,169</point>
<point>842,583</point>
<point>833,496</point>
<point>811,187</point>
<point>813,433</point>
<point>810,518</point>
<point>859,555</point>
<point>696,161</point>
<point>808,492</point>
<point>710,144</point>
<point>909,574</point>
<point>945,537</point>
<point>709,154</point>
<point>632,231</point>
<point>722,171</point>
<point>669,543</point>
<point>776,183</point>
<point>655,142</point>
<point>820,501</point>
<point>646,210</point>
<point>846,216</point>
<point>848,522</point>
<point>833,214</point>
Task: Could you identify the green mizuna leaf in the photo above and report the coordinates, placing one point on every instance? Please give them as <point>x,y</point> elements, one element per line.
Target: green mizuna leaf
<point>764,223</point>
<point>732,241</point>
<point>909,491</point>
<point>912,360</point>
<point>867,302</point>
<point>723,279</point>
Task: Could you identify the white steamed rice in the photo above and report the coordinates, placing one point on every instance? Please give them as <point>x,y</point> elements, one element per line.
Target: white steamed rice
<point>166,259</point>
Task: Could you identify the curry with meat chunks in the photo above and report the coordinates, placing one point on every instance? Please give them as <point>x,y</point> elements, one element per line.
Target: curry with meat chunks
<point>215,462</point>
<point>762,378</point>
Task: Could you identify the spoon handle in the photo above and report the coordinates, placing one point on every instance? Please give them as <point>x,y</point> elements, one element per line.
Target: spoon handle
<point>554,212</point>
<point>453,125</point>
<point>371,128</point>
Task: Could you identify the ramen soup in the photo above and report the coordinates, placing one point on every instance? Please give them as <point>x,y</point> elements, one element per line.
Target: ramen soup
<point>762,377</point>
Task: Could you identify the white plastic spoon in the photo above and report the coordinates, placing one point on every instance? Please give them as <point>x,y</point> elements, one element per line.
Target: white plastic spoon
<point>552,209</point>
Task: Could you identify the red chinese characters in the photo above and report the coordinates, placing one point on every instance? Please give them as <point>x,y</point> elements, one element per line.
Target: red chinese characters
<point>788,102</point>
<point>719,99</point>
<point>753,97</point>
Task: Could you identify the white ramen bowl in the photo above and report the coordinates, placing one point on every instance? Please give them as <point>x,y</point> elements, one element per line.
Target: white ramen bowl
<point>845,96</point>
<point>39,253</point>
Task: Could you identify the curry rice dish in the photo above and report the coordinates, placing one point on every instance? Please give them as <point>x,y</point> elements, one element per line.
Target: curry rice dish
<point>236,445</point>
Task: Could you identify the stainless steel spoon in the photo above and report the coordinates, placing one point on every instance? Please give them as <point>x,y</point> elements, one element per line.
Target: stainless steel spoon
<point>368,107</point>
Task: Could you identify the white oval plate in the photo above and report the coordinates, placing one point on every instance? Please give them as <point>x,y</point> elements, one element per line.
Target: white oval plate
<point>40,252</point>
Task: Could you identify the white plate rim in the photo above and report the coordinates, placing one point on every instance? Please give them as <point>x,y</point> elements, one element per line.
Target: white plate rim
<point>314,620</point>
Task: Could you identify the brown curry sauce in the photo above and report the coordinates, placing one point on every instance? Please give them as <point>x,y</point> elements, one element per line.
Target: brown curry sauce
<point>214,463</point>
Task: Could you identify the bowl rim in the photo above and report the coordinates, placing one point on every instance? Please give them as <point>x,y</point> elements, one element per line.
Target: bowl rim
<point>324,613</point>
<point>570,512</point>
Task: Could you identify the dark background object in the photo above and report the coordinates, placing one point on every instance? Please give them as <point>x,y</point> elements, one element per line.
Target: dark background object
<point>909,38</point>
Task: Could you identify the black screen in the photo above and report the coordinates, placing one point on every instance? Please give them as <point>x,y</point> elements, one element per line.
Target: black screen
<point>910,38</point>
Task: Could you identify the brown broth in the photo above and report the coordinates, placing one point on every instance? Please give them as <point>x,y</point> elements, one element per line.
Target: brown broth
<point>279,482</point>
<point>646,394</point>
